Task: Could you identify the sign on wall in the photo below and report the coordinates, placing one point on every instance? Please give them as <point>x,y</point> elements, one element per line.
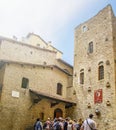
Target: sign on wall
<point>98,96</point>
<point>15,94</point>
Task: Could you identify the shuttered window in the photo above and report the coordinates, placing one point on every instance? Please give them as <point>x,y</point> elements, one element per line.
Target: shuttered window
<point>90,47</point>
<point>25,82</point>
<point>59,88</point>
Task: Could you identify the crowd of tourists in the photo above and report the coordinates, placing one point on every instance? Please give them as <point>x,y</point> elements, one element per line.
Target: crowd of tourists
<point>66,124</point>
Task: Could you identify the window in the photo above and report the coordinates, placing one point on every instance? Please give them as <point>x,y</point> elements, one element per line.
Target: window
<point>84,28</point>
<point>90,47</point>
<point>42,116</point>
<point>59,88</point>
<point>38,45</point>
<point>82,76</point>
<point>100,71</point>
<point>25,82</point>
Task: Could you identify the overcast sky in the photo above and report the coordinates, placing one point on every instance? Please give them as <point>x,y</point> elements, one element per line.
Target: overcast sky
<point>53,20</point>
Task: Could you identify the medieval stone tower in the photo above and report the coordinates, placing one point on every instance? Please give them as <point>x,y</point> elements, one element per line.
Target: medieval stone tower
<point>95,68</point>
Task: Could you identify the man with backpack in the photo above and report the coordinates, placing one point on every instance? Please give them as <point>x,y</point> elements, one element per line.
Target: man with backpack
<point>57,125</point>
<point>66,123</point>
<point>38,125</point>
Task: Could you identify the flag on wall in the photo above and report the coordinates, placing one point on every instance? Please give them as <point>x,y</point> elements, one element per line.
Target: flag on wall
<point>98,96</point>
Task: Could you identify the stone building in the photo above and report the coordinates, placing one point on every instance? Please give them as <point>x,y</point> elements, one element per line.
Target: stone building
<point>34,82</point>
<point>95,68</point>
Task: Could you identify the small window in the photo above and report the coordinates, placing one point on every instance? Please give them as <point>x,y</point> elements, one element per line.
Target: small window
<point>25,83</point>
<point>82,76</point>
<point>84,28</point>
<point>101,72</point>
<point>59,88</point>
<point>38,45</point>
<point>42,116</point>
<point>90,47</point>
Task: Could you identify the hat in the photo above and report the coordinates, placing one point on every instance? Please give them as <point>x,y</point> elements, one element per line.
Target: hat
<point>91,115</point>
<point>60,118</point>
<point>70,122</point>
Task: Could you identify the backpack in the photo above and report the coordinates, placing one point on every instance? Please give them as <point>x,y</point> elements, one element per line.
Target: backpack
<point>38,125</point>
<point>58,126</point>
<point>65,125</point>
<point>78,127</point>
<point>44,126</point>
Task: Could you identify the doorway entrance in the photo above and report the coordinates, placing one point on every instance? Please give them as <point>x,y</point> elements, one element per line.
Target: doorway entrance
<point>58,113</point>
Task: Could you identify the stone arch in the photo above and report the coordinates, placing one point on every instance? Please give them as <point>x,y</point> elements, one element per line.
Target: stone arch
<point>58,113</point>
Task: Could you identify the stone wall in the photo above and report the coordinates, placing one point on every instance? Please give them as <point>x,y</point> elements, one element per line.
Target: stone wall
<point>20,112</point>
<point>99,31</point>
<point>35,40</point>
<point>21,52</point>
<point>25,53</point>
<point>114,47</point>
<point>41,66</point>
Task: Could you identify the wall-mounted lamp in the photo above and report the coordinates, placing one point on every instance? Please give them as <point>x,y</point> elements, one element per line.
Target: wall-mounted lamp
<point>107,62</point>
<point>74,92</point>
<point>89,69</point>
<point>89,89</point>
<point>97,112</point>
<point>107,84</point>
<point>89,105</point>
<point>108,103</point>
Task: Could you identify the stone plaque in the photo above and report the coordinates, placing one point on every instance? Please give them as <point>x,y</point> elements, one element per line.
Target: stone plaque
<point>15,94</point>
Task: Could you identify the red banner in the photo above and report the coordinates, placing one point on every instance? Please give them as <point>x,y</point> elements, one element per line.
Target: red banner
<point>98,96</point>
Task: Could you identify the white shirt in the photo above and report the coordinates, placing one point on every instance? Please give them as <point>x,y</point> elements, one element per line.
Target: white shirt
<point>91,124</point>
<point>70,127</point>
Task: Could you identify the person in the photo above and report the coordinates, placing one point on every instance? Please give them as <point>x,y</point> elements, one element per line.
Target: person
<point>61,122</point>
<point>76,125</point>
<point>48,124</point>
<point>66,123</point>
<point>80,121</point>
<point>89,124</point>
<point>38,125</point>
<point>44,125</point>
<point>57,125</point>
<point>70,125</point>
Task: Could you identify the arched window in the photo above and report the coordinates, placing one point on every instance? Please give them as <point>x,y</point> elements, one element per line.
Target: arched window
<point>90,47</point>
<point>100,71</point>
<point>82,76</point>
<point>59,88</point>
<point>84,28</point>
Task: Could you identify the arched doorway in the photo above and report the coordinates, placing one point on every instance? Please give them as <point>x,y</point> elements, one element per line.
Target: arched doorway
<point>58,113</point>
